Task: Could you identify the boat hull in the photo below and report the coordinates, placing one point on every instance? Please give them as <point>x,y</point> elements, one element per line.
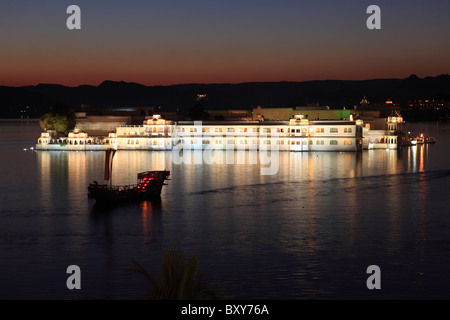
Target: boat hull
<point>108,195</point>
<point>149,189</point>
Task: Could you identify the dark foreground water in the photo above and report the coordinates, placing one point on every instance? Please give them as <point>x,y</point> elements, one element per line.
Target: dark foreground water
<point>310,231</point>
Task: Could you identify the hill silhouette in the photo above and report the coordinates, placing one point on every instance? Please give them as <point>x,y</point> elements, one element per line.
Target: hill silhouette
<point>334,93</point>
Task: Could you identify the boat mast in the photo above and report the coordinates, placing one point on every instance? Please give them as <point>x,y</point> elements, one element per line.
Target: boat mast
<point>109,155</point>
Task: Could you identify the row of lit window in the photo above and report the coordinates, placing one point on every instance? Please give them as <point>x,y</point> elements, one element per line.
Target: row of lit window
<point>264,130</point>
<point>221,130</point>
<point>256,141</point>
<point>319,142</point>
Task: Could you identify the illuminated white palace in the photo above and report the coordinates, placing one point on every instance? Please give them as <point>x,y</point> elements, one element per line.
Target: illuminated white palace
<point>297,134</point>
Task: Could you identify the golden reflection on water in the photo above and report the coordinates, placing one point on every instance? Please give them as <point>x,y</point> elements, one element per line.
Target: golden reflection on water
<point>417,156</point>
<point>309,173</point>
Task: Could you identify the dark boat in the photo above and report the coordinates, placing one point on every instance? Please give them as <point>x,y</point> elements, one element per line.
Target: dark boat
<point>430,140</point>
<point>148,187</point>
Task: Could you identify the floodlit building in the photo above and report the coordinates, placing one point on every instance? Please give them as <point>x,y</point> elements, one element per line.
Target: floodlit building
<point>297,134</point>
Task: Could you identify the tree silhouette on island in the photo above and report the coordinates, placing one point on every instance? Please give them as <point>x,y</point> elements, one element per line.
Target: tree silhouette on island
<point>60,118</point>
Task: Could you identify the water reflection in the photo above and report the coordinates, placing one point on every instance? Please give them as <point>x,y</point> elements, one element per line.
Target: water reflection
<point>304,184</point>
<point>308,231</point>
<point>146,212</point>
<point>322,213</point>
<point>417,156</point>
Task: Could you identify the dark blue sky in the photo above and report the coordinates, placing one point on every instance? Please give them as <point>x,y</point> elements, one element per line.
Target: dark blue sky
<point>167,42</point>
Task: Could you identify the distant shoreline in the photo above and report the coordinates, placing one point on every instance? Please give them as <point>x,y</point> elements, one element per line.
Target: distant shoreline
<point>5,121</point>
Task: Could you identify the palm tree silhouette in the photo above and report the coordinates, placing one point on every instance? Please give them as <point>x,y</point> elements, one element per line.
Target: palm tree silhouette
<point>178,279</point>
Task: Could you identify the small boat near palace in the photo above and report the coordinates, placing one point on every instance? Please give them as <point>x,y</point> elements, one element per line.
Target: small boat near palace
<point>420,140</point>
<point>148,187</point>
<point>430,140</point>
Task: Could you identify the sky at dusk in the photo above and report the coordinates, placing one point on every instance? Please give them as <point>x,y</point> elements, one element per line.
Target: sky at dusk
<point>206,41</point>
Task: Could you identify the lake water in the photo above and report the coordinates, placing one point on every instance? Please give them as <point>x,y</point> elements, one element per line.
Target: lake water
<point>308,232</point>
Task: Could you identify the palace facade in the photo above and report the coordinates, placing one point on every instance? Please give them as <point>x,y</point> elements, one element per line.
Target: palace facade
<point>297,134</point>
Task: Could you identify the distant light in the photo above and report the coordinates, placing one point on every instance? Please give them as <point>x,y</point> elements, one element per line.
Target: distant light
<point>124,109</point>
<point>25,149</point>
